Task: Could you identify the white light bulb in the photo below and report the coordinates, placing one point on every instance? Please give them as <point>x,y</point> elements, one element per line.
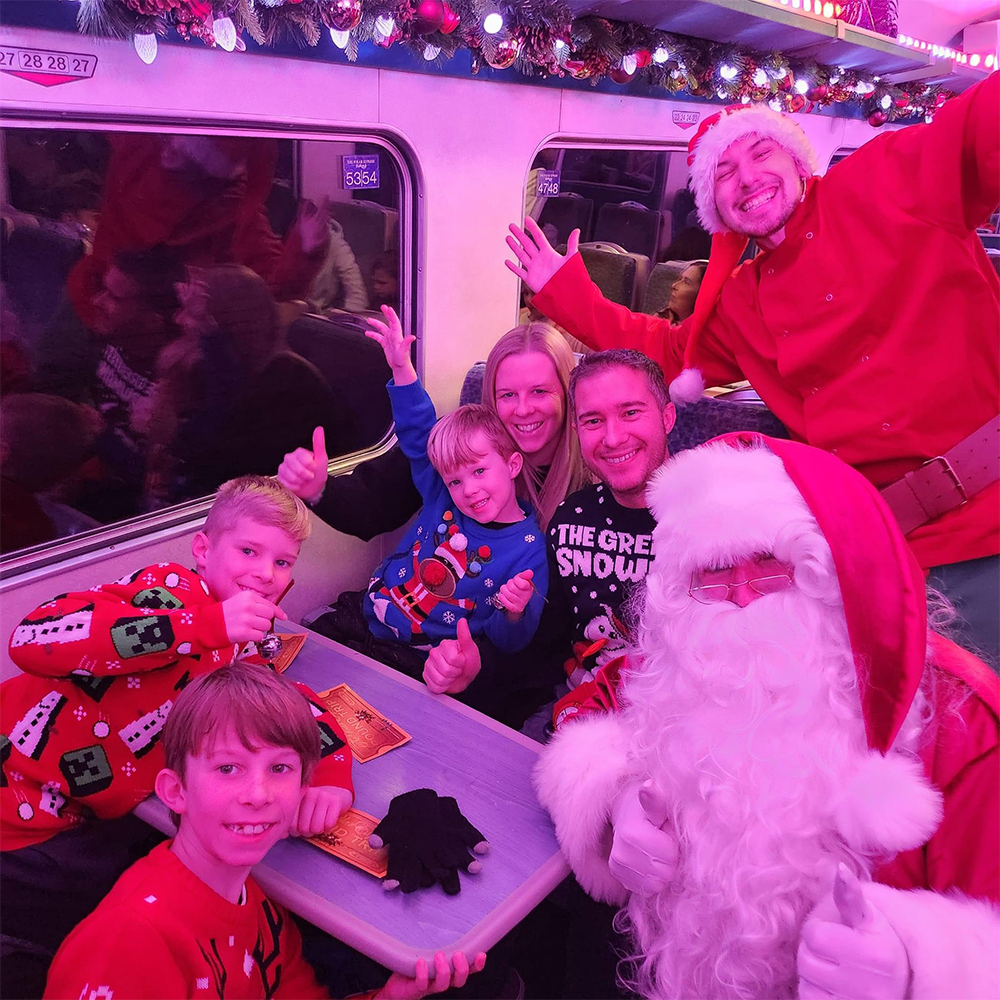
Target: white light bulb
<point>990,60</point>
<point>431,52</point>
<point>340,38</point>
<point>225,33</point>
<point>760,78</point>
<point>745,99</point>
<point>928,119</point>
<point>493,23</point>
<point>629,63</point>
<point>728,72</point>
<point>721,94</point>
<point>385,25</point>
<point>145,47</point>
<point>774,104</point>
<point>661,55</point>
<point>560,46</point>
<point>974,60</point>
<point>886,102</point>
<point>801,86</point>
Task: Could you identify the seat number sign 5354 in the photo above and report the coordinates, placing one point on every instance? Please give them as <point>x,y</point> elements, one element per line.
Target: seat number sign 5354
<point>361,172</point>
<point>46,67</point>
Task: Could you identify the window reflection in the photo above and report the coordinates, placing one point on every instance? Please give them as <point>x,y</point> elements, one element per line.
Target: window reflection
<point>180,309</point>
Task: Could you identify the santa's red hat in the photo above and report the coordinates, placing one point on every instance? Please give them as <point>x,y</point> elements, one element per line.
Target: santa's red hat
<point>714,136</point>
<point>452,552</point>
<point>881,585</point>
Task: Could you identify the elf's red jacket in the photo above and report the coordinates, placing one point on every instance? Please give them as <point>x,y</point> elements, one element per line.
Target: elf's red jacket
<point>871,330</point>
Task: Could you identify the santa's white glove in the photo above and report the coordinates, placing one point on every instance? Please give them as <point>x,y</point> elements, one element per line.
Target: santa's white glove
<point>644,856</point>
<point>849,950</point>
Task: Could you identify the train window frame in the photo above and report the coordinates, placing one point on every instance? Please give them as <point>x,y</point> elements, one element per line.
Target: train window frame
<point>179,518</point>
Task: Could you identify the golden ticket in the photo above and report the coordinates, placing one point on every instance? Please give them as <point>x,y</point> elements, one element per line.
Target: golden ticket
<point>369,733</point>
<point>290,646</point>
<point>348,840</point>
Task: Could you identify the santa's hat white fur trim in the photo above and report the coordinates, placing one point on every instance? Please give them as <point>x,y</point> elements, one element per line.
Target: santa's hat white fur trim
<point>688,387</point>
<point>888,805</point>
<point>757,119</point>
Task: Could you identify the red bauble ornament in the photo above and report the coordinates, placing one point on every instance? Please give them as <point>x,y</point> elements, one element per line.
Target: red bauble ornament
<point>577,68</point>
<point>797,103</point>
<point>643,58</point>
<point>817,93</point>
<point>506,53</point>
<point>450,20</point>
<point>903,102</point>
<point>428,17</point>
<point>877,119</point>
<point>345,15</point>
<point>620,75</point>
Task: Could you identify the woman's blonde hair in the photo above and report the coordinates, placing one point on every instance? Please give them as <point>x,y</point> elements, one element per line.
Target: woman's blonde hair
<point>567,472</point>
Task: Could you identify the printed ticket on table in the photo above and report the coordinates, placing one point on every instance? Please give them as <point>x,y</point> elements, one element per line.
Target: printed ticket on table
<point>348,840</point>
<point>290,646</point>
<point>369,733</point>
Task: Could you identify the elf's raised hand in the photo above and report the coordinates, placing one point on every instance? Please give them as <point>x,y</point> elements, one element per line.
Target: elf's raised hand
<point>848,950</point>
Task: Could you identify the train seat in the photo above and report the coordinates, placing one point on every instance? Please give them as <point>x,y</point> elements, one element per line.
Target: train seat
<point>661,280</point>
<point>566,212</point>
<point>631,225</point>
<point>355,368</point>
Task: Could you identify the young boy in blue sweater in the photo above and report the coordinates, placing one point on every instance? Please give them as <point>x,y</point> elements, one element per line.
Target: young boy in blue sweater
<point>475,550</point>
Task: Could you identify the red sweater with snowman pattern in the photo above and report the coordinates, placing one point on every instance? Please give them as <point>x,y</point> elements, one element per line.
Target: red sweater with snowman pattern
<point>80,728</point>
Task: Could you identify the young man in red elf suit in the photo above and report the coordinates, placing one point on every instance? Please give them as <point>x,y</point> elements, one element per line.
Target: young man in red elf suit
<point>791,786</point>
<point>867,323</point>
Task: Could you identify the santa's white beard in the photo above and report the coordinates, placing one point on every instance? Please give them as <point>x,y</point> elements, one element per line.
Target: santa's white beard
<point>748,720</point>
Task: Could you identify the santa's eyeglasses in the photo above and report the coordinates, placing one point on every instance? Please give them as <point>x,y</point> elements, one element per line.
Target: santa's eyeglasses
<point>711,586</point>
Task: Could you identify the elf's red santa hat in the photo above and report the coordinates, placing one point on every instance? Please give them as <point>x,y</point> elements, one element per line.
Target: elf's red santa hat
<point>714,136</point>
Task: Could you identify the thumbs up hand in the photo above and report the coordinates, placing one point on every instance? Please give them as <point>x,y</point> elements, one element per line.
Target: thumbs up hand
<point>849,950</point>
<point>514,595</point>
<point>644,855</point>
<point>452,665</point>
<point>303,471</point>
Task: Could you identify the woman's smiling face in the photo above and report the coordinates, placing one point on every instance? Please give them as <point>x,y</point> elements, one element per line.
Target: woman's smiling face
<point>530,401</point>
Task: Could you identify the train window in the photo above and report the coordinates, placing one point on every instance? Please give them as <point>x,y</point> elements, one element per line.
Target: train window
<point>840,154</point>
<point>641,239</point>
<point>179,308</point>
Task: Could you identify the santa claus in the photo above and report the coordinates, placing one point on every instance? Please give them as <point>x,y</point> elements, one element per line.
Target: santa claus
<point>792,789</point>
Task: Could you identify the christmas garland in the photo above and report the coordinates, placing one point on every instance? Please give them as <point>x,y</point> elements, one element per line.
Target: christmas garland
<point>535,37</point>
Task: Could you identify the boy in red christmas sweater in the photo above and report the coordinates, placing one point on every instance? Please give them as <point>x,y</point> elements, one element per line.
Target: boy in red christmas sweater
<point>188,920</point>
<point>81,726</point>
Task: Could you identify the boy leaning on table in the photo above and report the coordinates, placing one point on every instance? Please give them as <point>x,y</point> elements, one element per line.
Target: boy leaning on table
<point>188,920</point>
<point>82,725</point>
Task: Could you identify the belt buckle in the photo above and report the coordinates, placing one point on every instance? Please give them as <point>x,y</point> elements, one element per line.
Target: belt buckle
<point>952,475</point>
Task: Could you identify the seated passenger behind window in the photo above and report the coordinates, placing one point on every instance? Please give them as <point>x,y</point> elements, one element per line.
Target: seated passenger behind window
<point>385,280</point>
<point>44,440</point>
<point>229,398</point>
<point>339,284</point>
<point>684,292</point>
<point>475,553</point>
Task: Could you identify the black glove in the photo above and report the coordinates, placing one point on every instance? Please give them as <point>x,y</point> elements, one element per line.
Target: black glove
<point>428,840</point>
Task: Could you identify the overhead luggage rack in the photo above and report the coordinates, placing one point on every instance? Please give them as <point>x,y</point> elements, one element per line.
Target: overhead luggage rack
<point>768,26</point>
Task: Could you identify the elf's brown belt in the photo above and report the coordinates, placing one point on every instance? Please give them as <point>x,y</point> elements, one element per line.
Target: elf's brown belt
<point>946,481</point>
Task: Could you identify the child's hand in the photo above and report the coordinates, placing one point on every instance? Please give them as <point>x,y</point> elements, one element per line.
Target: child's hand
<point>303,471</point>
<point>514,595</point>
<point>395,344</point>
<point>248,616</point>
<point>400,987</point>
<point>452,665</point>
<point>319,810</point>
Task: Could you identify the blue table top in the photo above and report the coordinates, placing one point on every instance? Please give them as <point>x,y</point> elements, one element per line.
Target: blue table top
<point>456,751</point>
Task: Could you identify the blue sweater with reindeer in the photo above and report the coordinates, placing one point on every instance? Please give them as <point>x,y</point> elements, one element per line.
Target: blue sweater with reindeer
<point>448,565</point>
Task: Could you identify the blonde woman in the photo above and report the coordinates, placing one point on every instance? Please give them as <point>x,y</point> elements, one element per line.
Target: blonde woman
<point>527,384</point>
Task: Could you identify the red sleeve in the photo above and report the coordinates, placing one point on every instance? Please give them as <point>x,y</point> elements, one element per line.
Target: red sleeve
<point>288,270</point>
<point>335,757</point>
<point>574,302</point>
<point>298,980</point>
<point>120,955</point>
<point>947,172</point>
<point>142,622</point>
<point>598,695</point>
